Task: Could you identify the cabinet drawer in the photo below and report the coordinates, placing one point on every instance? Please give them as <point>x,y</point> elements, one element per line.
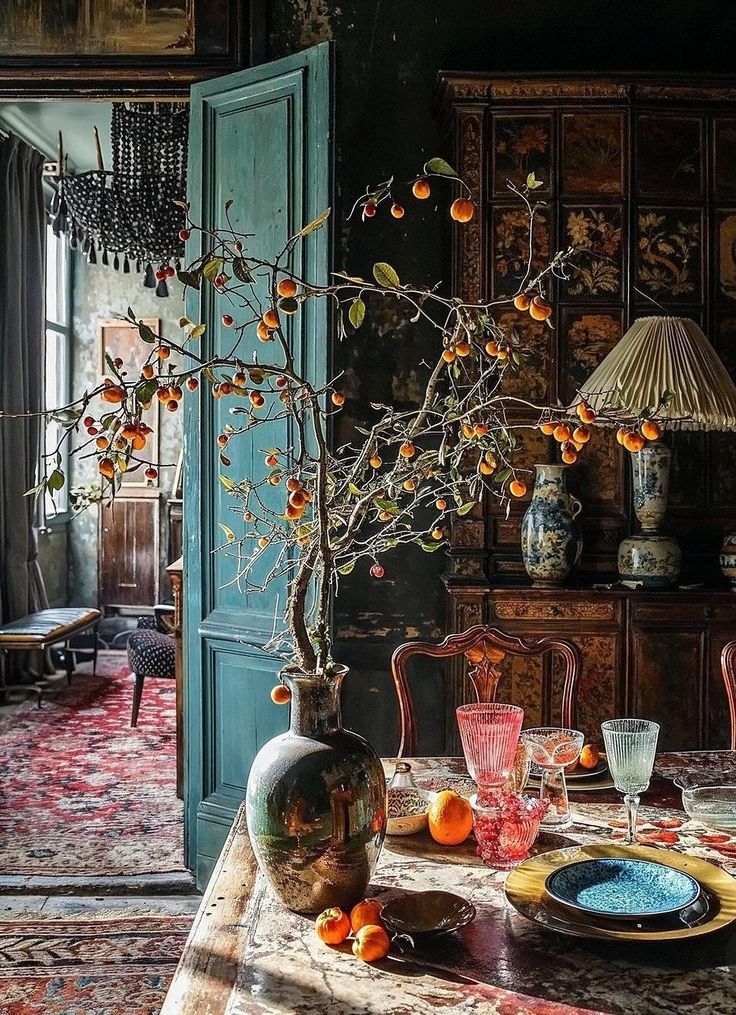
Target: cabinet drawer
<point>562,609</point>
<point>679,613</point>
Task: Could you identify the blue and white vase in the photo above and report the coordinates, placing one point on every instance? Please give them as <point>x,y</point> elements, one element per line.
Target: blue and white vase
<point>551,542</point>
<point>650,558</point>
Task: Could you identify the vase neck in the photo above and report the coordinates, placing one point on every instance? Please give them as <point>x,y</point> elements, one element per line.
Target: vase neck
<point>315,702</point>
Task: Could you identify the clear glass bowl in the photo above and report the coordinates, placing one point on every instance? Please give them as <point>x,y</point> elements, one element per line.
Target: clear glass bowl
<point>715,806</point>
<point>505,827</point>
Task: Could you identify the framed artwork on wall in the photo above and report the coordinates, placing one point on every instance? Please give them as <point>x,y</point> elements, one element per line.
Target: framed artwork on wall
<point>108,47</point>
<point>120,339</point>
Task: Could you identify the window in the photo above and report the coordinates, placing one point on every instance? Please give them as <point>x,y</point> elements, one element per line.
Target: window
<point>58,349</point>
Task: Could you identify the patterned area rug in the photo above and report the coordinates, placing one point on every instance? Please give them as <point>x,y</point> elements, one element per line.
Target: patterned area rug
<point>89,967</point>
<point>82,793</point>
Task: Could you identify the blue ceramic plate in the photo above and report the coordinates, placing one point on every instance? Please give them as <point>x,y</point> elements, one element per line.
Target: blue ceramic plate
<point>623,888</point>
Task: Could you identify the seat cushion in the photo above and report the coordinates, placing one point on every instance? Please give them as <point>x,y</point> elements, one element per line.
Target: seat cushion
<point>151,654</point>
<point>46,627</point>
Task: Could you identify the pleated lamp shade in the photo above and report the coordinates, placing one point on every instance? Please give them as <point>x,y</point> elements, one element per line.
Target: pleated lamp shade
<point>665,354</point>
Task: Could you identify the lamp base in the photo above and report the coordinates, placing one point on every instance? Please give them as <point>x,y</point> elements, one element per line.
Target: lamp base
<point>654,560</point>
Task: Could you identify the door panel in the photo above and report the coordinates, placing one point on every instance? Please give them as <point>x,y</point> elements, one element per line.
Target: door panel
<point>263,138</point>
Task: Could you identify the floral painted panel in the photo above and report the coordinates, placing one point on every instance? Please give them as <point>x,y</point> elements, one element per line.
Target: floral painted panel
<point>726,253</point>
<point>669,253</point>
<point>592,153</point>
<point>687,488</point>
<point>521,685</point>
<point>511,245</point>
<point>529,379</point>
<point>522,145</point>
<point>588,338</point>
<point>725,158</point>
<point>597,689</point>
<point>596,233</point>
<point>669,156</point>
<point>595,479</point>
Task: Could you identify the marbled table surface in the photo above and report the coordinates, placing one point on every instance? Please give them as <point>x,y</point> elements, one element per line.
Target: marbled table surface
<point>501,963</point>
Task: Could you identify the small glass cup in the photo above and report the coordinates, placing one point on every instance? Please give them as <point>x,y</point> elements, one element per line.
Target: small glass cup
<point>505,828</point>
<point>631,745</point>
<point>490,736</point>
<point>552,749</point>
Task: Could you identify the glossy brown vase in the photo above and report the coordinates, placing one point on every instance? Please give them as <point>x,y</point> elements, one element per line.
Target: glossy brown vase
<point>316,802</point>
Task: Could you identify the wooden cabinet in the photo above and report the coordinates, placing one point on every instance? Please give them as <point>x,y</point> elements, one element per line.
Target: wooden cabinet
<point>654,655</point>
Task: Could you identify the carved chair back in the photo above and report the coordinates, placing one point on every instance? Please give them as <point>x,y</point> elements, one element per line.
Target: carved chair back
<point>484,648</point>
<point>728,669</point>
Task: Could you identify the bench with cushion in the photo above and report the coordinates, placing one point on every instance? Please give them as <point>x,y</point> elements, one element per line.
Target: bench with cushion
<point>39,631</point>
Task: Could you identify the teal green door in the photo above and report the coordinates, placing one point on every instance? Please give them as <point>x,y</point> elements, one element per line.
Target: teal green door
<point>262,138</point>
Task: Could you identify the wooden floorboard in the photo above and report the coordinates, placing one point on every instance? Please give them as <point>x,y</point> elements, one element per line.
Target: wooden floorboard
<point>139,884</point>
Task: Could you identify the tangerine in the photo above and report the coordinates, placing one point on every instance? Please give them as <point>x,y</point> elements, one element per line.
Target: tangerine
<point>450,818</point>
<point>651,430</point>
<point>421,189</point>
<point>286,288</point>
<point>589,756</point>
<point>332,925</point>
<point>540,309</point>
<point>280,694</point>
<point>367,912</point>
<point>517,487</point>
<point>522,301</point>
<point>371,943</point>
<point>462,209</point>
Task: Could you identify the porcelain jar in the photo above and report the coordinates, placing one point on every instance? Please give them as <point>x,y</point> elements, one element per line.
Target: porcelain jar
<point>550,537</point>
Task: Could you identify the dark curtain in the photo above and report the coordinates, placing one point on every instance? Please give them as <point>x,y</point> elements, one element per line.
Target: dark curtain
<point>22,341</point>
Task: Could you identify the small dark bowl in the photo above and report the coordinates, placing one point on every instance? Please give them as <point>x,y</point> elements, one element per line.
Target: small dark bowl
<point>425,913</point>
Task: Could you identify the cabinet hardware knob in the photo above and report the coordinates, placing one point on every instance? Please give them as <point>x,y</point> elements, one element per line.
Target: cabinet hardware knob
<point>555,611</point>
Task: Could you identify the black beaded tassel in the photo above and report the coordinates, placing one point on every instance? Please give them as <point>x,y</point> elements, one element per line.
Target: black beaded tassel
<point>162,289</point>
<point>150,280</point>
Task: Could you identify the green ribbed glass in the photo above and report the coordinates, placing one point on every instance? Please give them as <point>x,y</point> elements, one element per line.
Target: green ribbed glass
<point>631,745</point>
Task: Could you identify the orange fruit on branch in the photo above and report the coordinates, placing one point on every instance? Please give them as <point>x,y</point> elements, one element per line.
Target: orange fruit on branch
<point>371,943</point>
<point>540,309</point>
<point>332,925</point>
<point>271,319</point>
<point>376,461</point>
<point>421,189</point>
<point>397,211</point>
<point>463,348</point>
<point>147,371</point>
<point>562,432</point>
<point>522,301</point>
<point>492,348</point>
<point>462,209</point>
<point>286,288</point>
<point>280,694</point>
<point>581,435</point>
<point>449,355</point>
<point>517,487</point>
<point>114,394</point>
<point>548,428</point>
<point>651,430</point>
<point>621,434</point>
<point>634,442</point>
<point>106,468</point>
<point>585,413</point>
<point>450,818</point>
<point>367,912</point>
<point>338,398</point>
<point>407,449</point>
<point>569,456</point>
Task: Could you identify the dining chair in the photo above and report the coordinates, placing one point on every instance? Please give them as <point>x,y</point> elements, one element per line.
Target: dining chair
<point>728,670</point>
<point>484,648</point>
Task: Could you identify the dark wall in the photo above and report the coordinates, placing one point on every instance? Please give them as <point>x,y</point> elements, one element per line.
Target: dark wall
<point>387,58</point>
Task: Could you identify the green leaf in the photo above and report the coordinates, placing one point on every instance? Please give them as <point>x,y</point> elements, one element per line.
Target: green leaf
<point>466,508</point>
<point>229,203</point>
<point>386,505</point>
<point>502,476</point>
<point>198,331</point>
<point>385,275</point>
<point>145,391</point>
<point>227,532</point>
<point>146,334</point>
<point>190,278</point>
<point>431,547</point>
<point>228,483</point>
<point>440,167</point>
<point>241,270</point>
<point>354,490</point>
<point>56,480</point>
<point>346,568</point>
<point>532,182</point>
<point>212,268</point>
<point>356,314</point>
<point>209,375</point>
<point>315,224</point>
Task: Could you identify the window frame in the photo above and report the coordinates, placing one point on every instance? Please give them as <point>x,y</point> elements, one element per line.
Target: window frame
<point>58,515</point>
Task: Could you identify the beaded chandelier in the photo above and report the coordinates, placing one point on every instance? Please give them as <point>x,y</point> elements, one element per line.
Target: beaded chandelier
<point>128,217</point>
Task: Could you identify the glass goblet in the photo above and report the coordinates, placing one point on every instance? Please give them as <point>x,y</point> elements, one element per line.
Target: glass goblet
<point>553,748</point>
<point>631,745</point>
<point>490,735</point>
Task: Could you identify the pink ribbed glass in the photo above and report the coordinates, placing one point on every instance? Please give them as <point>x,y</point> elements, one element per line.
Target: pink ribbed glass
<point>490,736</point>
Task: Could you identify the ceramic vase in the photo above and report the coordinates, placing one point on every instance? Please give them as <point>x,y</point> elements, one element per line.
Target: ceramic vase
<point>650,558</point>
<point>316,802</point>
<point>550,538</point>
<point>727,558</point>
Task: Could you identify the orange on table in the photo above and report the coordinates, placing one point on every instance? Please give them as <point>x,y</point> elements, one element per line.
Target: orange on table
<point>371,943</point>
<point>589,756</point>
<point>366,913</point>
<point>332,926</point>
<point>450,818</point>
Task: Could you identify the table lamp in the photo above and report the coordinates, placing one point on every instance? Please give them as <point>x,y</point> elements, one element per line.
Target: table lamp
<point>664,368</point>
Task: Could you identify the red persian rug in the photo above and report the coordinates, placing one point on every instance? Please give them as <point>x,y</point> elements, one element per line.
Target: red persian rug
<point>89,967</point>
<point>81,792</point>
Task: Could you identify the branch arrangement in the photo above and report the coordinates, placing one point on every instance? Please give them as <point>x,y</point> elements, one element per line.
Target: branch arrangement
<point>317,510</point>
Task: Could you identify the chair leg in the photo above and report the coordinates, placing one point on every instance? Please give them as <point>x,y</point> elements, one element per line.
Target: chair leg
<point>137,694</point>
<point>69,662</point>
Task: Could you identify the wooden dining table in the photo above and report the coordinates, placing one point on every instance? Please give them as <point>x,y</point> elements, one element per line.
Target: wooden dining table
<point>247,955</point>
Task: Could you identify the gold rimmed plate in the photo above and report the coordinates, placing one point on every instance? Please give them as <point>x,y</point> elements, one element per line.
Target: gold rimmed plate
<point>525,890</point>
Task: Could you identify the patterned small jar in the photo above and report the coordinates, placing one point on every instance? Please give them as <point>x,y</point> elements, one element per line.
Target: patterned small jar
<point>727,559</point>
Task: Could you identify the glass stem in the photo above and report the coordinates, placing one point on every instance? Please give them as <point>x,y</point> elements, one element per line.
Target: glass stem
<point>632,806</point>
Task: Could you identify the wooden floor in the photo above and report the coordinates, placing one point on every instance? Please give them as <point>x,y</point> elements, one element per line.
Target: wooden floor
<point>34,896</point>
